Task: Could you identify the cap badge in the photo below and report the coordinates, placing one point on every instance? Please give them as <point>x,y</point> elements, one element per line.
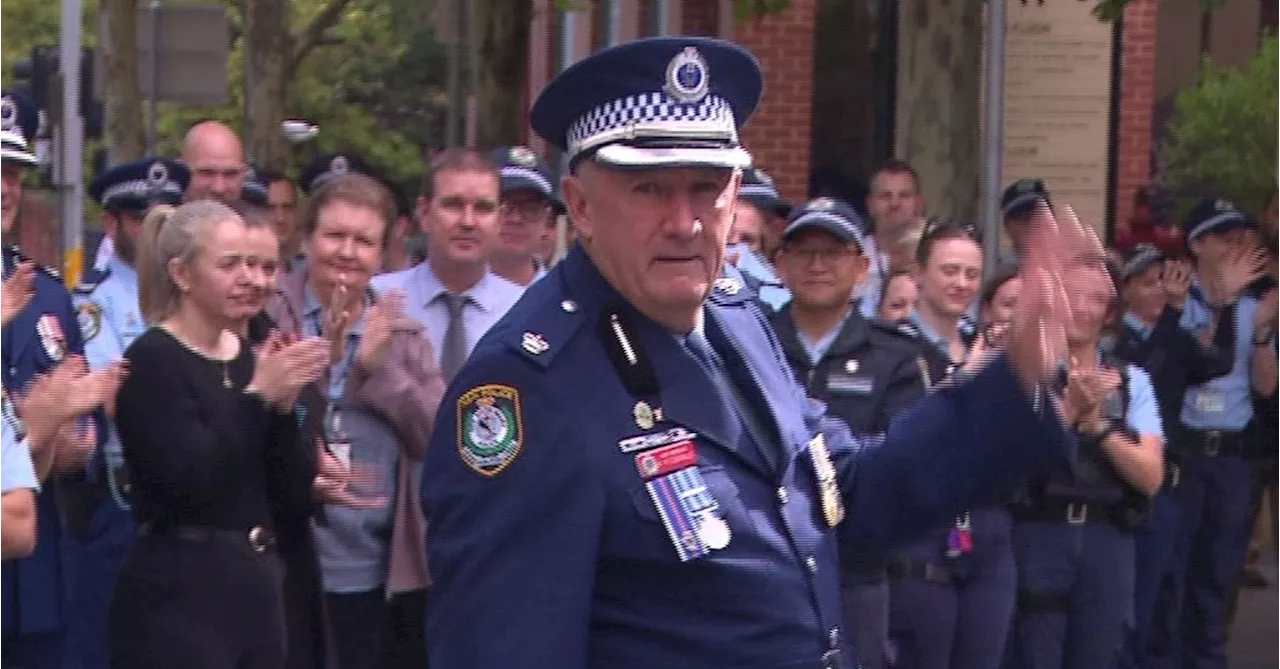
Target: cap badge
<point>157,174</point>
<point>822,204</point>
<point>687,77</point>
<point>339,165</point>
<point>1224,205</point>
<point>522,156</point>
<point>8,114</point>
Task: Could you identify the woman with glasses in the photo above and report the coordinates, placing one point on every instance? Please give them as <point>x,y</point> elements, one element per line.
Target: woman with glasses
<point>952,590</point>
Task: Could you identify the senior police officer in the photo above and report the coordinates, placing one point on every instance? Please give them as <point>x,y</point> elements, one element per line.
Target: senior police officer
<point>529,207</point>
<point>624,474</point>
<point>864,370</point>
<point>100,528</point>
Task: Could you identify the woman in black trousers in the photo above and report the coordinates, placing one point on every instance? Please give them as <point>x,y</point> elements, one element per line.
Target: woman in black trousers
<point>212,443</point>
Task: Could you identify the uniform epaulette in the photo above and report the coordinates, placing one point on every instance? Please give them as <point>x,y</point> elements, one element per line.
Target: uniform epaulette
<point>50,272</point>
<point>540,339</point>
<point>91,280</point>
<point>903,329</point>
<point>729,290</point>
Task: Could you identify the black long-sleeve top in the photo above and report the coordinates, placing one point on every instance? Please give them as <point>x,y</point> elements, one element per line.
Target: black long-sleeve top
<point>202,453</point>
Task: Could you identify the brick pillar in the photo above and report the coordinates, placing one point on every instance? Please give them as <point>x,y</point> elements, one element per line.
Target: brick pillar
<point>1137,103</point>
<point>778,136</point>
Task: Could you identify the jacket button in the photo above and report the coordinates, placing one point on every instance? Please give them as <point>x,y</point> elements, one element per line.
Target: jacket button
<point>811,563</point>
<point>782,495</point>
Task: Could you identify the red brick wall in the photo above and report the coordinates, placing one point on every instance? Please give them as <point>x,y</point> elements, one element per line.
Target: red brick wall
<point>778,135</point>
<point>700,17</point>
<point>1137,91</point>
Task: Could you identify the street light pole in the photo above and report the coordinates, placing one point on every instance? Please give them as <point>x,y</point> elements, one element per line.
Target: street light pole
<point>993,136</point>
<point>69,159</point>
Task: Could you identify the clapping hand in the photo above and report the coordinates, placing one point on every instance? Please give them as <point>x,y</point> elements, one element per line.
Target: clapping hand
<point>1176,280</point>
<point>380,323</point>
<point>1085,393</point>
<point>339,318</point>
<point>17,292</point>
<point>335,481</point>
<point>284,367</point>
<point>1242,265</point>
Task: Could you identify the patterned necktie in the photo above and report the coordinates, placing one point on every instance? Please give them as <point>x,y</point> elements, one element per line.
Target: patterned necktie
<point>454,351</point>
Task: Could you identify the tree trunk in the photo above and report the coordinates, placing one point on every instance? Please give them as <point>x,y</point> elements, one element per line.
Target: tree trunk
<point>503,28</point>
<point>939,90</point>
<point>122,93</point>
<point>269,49</point>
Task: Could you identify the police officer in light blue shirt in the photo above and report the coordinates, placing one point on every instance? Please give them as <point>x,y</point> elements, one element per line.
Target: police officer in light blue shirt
<point>1213,441</point>
<point>1073,532</point>
<point>624,473</point>
<point>529,210</point>
<point>17,478</point>
<point>758,203</point>
<point>100,524</point>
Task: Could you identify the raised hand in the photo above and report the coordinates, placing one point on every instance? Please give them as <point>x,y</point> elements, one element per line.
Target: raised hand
<point>335,483</point>
<point>339,318</point>
<point>380,323</point>
<point>282,371</point>
<point>1176,280</point>
<point>1036,339</point>
<point>17,292</point>
<point>1241,266</point>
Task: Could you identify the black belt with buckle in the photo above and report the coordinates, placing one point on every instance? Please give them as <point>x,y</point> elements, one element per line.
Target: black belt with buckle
<point>1062,511</point>
<point>1213,443</point>
<point>901,569</point>
<point>258,538</point>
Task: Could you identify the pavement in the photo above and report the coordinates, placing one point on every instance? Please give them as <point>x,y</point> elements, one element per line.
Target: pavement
<point>1253,636</point>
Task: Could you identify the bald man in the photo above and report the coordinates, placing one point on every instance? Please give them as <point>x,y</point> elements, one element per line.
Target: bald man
<point>215,156</point>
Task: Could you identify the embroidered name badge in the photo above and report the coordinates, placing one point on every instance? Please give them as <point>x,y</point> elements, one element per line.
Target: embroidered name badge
<point>490,428</point>
<point>849,383</point>
<point>689,512</point>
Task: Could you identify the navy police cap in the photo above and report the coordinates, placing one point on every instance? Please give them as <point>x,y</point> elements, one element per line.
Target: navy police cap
<point>327,168</point>
<point>137,185</point>
<point>758,189</point>
<point>256,188</point>
<point>1214,215</point>
<point>1139,259</point>
<point>1021,196</point>
<point>656,102</point>
<point>522,169</point>
<point>827,214</point>
<point>19,122</point>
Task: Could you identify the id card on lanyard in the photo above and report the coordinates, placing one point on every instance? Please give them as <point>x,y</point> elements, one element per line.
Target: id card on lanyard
<point>337,442</point>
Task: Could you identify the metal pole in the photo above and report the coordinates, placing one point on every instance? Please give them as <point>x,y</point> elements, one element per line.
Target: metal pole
<point>153,59</point>
<point>613,25</point>
<point>993,137</point>
<point>472,33</point>
<point>69,175</point>
<point>663,16</point>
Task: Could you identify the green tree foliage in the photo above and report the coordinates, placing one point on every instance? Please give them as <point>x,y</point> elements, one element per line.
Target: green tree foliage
<point>1222,138</point>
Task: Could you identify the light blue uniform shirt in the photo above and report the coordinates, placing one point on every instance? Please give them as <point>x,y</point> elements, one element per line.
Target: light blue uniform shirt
<point>1144,413</point>
<point>772,291</point>
<point>17,472</point>
<point>1136,324</point>
<point>1224,403</point>
<point>110,320</point>
<point>491,297</point>
<point>818,349</point>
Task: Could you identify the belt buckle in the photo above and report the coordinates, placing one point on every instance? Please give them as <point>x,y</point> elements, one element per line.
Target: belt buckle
<point>258,540</point>
<point>1077,514</point>
<point>1212,443</point>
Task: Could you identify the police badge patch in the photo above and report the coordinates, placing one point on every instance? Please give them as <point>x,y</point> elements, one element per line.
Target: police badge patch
<point>490,428</point>
<point>89,318</point>
<point>51,337</point>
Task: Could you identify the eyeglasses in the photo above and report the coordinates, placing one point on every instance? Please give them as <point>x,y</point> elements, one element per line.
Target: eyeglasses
<point>828,255</point>
<point>527,210</point>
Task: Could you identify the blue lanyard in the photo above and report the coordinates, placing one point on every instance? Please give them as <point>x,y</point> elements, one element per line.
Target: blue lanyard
<point>337,381</point>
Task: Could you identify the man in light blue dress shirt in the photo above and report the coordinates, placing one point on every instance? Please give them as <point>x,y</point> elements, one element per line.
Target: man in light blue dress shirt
<point>459,211</point>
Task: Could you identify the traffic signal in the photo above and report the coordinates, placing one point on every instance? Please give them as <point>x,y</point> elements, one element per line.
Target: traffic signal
<point>40,77</point>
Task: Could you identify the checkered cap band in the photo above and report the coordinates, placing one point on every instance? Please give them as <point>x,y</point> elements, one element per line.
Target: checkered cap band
<point>1143,260</point>
<point>812,218</point>
<point>758,190</point>
<point>653,115</point>
<point>138,188</point>
<point>528,175</point>
<point>1209,224</point>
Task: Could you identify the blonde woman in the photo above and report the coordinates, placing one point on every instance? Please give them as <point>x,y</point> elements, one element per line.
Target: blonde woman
<point>209,436</point>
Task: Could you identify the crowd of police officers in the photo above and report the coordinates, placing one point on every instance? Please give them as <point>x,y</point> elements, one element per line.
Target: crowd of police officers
<point>1127,553</point>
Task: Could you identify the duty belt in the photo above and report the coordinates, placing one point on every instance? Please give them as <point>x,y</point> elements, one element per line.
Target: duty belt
<point>1213,443</point>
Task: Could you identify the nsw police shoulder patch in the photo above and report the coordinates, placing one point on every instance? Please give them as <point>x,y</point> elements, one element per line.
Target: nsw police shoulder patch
<point>89,318</point>
<point>490,428</point>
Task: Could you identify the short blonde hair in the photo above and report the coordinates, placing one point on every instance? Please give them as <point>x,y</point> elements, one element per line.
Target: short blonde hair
<point>168,234</point>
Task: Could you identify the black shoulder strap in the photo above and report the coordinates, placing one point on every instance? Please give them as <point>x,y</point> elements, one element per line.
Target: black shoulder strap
<point>627,355</point>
